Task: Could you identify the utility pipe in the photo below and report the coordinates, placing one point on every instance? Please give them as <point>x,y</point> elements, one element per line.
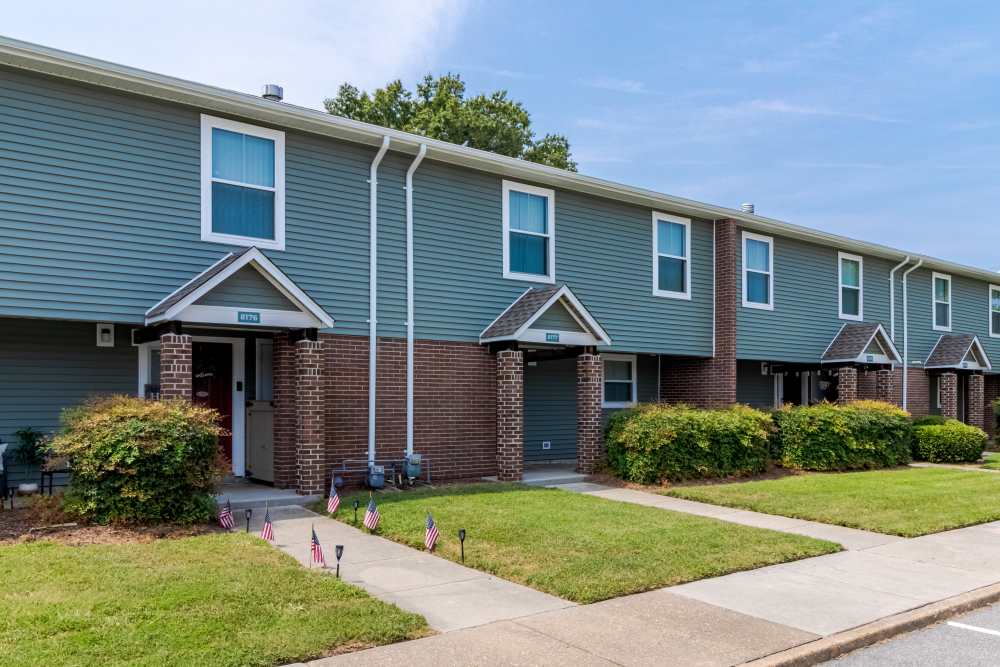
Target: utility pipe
<point>373,295</point>
<point>409,296</point>
<point>892,298</point>
<point>906,334</point>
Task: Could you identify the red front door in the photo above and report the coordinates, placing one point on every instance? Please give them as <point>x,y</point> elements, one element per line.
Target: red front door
<point>212,385</point>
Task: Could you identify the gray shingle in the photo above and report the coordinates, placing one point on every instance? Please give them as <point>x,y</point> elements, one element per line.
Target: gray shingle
<point>185,290</point>
<point>520,312</point>
<point>950,351</point>
<point>850,342</point>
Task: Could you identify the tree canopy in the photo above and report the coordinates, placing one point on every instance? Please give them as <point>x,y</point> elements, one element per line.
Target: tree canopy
<point>439,109</point>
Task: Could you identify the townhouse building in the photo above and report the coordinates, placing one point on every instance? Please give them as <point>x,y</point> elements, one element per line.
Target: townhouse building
<point>346,294</point>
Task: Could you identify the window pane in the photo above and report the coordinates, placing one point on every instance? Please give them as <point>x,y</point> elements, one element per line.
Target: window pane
<point>941,290</point>
<point>670,275</point>
<point>850,273</point>
<point>758,255</point>
<point>941,315</point>
<point>227,155</point>
<point>242,211</point>
<point>618,392</point>
<point>528,212</point>
<point>995,300</point>
<point>996,323</point>
<point>529,254</point>
<point>851,301</point>
<point>258,162</point>
<point>671,238</point>
<point>758,288</point>
<point>615,370</point>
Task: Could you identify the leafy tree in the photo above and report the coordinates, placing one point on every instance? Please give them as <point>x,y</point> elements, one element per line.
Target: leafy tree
<point>439,109</point>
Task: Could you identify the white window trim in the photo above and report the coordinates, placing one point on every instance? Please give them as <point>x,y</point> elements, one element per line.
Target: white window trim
<point>841,256</point>
<point>208,123</point>
<point>770,270</point>
<point>934,302</point>
<point>989,308</point>
<point>686,222</point>
<point>550,195</point>
<point>632,359</point>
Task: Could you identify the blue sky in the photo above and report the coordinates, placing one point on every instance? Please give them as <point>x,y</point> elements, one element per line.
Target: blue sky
<point>875,120</point>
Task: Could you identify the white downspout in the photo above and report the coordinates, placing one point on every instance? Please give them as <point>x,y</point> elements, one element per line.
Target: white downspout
<point>892,297</point>
<point>373,295</point>
<point>409,296</point>
<point>906,334</point>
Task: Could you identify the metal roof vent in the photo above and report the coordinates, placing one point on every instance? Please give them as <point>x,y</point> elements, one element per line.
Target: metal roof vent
<point>273,92</point>
<point>746,207</point>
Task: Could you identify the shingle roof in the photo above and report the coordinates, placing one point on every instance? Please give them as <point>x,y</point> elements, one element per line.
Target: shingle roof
<point>183,291</point>
<point>851,342</point>
<point>520,312</point>
<point>950,351</point>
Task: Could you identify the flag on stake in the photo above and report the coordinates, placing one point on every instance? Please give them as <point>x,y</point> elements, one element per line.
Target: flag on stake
<point>226,516</point>
<point>317,550</point>
<point>334,502</point>
<point>431,534</point>
<point>371,515</point>
<point>267,530</point>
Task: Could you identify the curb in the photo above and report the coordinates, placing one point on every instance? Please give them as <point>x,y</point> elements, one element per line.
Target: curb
<point>838,644</point>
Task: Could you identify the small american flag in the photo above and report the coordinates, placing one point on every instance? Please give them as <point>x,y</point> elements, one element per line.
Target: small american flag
<point>431,534</point>
<point>371,515</point>
<point>317,550</point>
<point>226,516</point>
<point>334,502</point>
<point>267,531</point>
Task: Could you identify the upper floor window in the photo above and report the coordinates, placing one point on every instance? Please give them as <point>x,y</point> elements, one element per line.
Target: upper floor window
<point>851,287</point>
<point>758,271</point>
<point>619,380</point>
<point>671,256</point>
<point>529,233</point>
<point>242,184</point>
<point>995,311</point>
<point>942,302</point>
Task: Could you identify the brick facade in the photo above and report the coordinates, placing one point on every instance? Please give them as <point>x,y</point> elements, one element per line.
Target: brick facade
<point>991,393</point>
<point>589,392</point>
<point>949,395</point>
<point>510,415</point>
<point>885,385</point>
<point>847,384</point>
<point>867,385</point>
<point>710,383</point>
<point>285,419</point>
<point>974,399</point>
<point>175,366</point>
<point>310,407</point>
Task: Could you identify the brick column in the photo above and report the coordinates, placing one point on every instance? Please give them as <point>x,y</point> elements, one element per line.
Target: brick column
<point>309,408</point>
<point>991,394</point>
<point>885,386</point>
<point>949,395</point>
<point>510,415</point>
<point>975,397</point>
<point>175,366</point>
<point>847,384</point>
<point>589,391</point>
<point>285,421</point>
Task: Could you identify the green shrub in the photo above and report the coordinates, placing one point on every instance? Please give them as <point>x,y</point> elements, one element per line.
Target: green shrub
<point>860,435</point>
<point>138,461</point>
<point>951,442</point>
<point>929,420</point>
<point>652,443</point>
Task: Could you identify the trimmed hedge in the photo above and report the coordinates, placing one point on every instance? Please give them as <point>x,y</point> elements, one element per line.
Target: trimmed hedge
<point>930,420</point>
<point>653,443</point>
<point>860,435</point>
<point>951,442</point>
<point>139,461</point>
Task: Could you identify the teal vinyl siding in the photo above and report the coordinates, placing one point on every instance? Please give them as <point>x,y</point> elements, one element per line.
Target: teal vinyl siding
<point>247,288</point>
<point>557,318</point>
<point>806,314</point>
<point>752,388</point>
<point>46,366</point>
<point>550,410</point>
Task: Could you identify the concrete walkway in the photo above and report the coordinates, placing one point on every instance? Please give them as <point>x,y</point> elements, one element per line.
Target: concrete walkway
<point>450,596</point>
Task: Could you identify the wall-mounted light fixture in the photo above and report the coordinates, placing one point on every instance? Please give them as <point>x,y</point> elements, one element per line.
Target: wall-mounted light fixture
<point>105,335</point>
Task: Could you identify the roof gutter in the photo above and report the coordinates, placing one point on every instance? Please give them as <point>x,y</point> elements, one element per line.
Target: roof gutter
<point>906,334</point>
<point>373,295</point>
<point>409,296</point>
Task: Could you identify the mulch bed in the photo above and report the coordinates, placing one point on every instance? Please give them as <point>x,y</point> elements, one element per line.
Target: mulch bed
<point>41,519</point>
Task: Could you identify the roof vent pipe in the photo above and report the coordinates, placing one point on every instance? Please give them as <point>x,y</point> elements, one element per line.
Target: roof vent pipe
<point>747,207</point>
<point>273,92</point>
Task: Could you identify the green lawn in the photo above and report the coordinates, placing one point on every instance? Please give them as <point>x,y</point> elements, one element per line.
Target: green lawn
<point>992,462</point>
<point>210,600</point>
<point>907,502</point>
<point>579,547</point>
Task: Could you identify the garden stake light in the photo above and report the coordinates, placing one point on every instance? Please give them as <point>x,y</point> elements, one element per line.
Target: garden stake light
<point>339,550</point>
<point>356,504</point>
<point>461,539</point>
<point>248,513</point>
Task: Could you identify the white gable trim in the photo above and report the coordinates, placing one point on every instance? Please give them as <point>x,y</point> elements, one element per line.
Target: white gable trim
<point>596,336</point>
<point>974,345</point>
<point>882,339</point>
<point>312,315</point>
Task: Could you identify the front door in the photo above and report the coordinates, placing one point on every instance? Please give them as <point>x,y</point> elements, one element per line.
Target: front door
<point>212,385</point>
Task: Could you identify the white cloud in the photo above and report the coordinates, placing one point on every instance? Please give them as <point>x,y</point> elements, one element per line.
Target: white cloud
<point>310,47</point>
<point>783,107</point>
<point>630,86</point>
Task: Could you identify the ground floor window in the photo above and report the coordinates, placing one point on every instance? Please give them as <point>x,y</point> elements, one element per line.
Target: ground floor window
<point>619,380</point>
